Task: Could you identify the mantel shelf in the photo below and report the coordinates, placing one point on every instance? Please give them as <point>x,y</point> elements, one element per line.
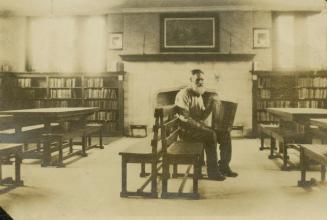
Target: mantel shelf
<point>188,57</point>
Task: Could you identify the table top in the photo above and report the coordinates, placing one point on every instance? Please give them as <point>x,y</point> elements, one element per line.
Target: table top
<point>291,114</point>
<point>320,122</point>
<point>41,112</point>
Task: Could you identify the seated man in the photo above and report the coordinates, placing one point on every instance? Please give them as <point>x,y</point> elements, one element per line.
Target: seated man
<point>192,113</point>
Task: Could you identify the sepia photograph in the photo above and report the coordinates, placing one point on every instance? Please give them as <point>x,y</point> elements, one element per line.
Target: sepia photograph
<point>163,109</point>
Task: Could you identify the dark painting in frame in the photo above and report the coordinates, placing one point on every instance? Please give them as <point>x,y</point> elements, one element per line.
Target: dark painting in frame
<point>189,33</point>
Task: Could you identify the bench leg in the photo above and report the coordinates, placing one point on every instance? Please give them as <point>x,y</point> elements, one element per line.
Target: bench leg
<point>323,173</point>
<point>89,140</point>
<point>285,156</point>
<point>70,145</point>
<point>175,170</point>
<point>272,148</point>
<point>84,154</point>
<point>18,161</point>
<point>46,157</point>
<point>123,192</point>
<point>0,170</point>
<point>100,139</point>
<point>303,164</point>
<point>60,157</point>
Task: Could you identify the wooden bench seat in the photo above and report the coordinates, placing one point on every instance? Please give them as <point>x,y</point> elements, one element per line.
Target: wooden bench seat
<point>284,137</point>
<point>9,150</point>
<point>58,140</point>
<point>316,153</point>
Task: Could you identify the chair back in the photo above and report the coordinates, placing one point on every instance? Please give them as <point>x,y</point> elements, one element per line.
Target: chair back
<point>223,115</point>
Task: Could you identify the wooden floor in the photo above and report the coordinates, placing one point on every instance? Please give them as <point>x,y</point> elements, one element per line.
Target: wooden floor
<point>88,188</point>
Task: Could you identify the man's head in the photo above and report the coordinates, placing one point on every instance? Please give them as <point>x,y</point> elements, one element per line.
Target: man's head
<point>197,81</point>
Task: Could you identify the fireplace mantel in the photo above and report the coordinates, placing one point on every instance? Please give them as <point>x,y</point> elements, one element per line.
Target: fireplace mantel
<point>188,57</point>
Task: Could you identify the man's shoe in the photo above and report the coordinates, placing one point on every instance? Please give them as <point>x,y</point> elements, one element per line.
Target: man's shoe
<point>228,172</point>
<point>216,176</point>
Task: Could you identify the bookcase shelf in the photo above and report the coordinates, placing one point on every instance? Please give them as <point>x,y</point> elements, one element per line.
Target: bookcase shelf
<point>282,89</point>
<point>36,90</point>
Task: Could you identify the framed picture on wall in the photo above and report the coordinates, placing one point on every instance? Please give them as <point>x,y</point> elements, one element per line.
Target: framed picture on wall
<point>115,41</point>
<point>188,32</point>
<point>261,38</point>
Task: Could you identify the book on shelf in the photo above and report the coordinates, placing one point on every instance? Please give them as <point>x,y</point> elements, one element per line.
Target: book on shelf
<point>312,82</point>
<point>62,82</point>
<point>24,82</point>
<point>94,82</point>
<point>101,93</point>
<point>103,116</point>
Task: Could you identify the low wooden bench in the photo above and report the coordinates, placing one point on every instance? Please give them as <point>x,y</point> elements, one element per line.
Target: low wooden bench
<point>316,153</point>
<point>284,137</point>
<point>8,150</point>
<point>58,140</point>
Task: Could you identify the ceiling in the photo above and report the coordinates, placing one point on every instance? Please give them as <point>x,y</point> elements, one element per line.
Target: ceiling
<point>87,7</point>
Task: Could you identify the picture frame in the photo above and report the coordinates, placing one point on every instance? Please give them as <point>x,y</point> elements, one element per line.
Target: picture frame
<point>189,32</point>
<point>115,41</point>
<point>261,38</point>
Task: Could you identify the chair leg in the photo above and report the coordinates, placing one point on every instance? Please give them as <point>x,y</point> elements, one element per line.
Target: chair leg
<point>154,174</point>
<point>143,173</point>
<point>165,176</point>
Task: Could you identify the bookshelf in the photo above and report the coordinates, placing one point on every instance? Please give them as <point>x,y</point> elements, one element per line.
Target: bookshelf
<point>37,90</point>
<point>281,89</point>
<point>105,92</point>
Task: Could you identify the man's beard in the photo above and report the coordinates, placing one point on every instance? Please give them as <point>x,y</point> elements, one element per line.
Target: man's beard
<point>199,89</point>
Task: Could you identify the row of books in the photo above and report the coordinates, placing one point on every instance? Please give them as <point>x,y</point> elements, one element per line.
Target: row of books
<point>273,104</point>
<point>311,104</point>
<point>104,116</point>
<point>264,116</point>
<point>305,93</point>
<point>64,93</point>
<point>264,93</point>
<point>94,82</point>
<point>24,82</point>
<point>101,93</point>
<point>312,82</point>
<point>63,83</point>
<point>111,104</point>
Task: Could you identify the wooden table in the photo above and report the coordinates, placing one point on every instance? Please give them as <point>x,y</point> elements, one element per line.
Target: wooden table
<point>294,118</point>
<point>76,116</point>
<point>47,116</point>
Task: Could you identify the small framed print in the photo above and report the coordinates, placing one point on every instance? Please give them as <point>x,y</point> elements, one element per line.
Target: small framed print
<point>115,41</point>
<point>261,38</point>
